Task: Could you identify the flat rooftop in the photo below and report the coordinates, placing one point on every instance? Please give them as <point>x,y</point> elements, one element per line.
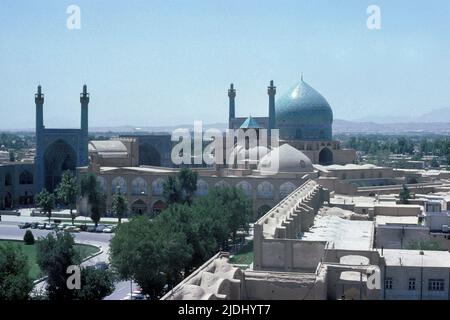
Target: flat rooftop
<point>397,220</point>
<point>413,258</point>
<point>343,233</point>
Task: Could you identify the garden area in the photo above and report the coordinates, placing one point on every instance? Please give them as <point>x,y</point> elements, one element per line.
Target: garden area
<point>30,251</point>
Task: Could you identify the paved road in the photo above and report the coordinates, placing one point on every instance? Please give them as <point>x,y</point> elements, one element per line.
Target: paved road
<point>10,230</point>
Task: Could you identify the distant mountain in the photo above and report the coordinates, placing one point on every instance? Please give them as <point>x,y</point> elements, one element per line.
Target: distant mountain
<point>435,115</point>
<point>343,126</point>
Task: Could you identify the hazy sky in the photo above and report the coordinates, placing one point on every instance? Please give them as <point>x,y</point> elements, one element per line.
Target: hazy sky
<point>168,62</point>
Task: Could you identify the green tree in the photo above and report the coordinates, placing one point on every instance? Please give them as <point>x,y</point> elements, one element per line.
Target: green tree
<point>172,190</point>
<point>91,193</point>
<point>55,253</point>
<point>67,192</point>
<point>181,188</point>
<point>238,208</point>
<point>404,195</point>
<point>188,183</point>
<point>119,205</point>
<point>15,283</point>
<point>28,238</point>
<point>95,284</point>
<point>46,201</point>
<point>145,251</point>
<point>12,156</point>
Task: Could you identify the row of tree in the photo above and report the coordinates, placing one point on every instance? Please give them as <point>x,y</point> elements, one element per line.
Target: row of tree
<point>157,253</point>
<point>89,194</point>
<point>411,145</point>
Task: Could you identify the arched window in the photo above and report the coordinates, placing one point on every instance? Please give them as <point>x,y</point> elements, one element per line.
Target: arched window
<point>139,187</point>
<point>245,187</point>
<point>119,182</point>
<point>101,183</point>
<point>8,179</point>
<point>286,189</point>
<point>158,187</point>
<point>26,177</point>
<point>202,188</point>
<point>265,190</point>
<point>221,184</point>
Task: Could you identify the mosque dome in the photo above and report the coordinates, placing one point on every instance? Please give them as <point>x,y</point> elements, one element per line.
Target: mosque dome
<point>303,114</point>
<point>285,158</point>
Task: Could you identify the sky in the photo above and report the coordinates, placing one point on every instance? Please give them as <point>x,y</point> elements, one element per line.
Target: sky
<point>168,62</point>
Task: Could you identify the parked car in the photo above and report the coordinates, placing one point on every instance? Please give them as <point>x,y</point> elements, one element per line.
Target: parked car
<point>49,226</point>
<point>71,229</point>
<point>101,265</point>
<point>41,226</point>
<point>24,225</point>
<point>90,229</point>
<point>34,225</point>
<point>83,227</point>
<point>134,296</point>
<point>109,229</point>
<point>100,228</point>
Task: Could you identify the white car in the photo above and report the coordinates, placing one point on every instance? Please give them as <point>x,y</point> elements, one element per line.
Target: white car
<point>134,296</point>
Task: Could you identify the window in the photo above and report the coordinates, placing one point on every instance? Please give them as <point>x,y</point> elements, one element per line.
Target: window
<point>436,285</point>
<point>412,284</point>
<point>388,284</point>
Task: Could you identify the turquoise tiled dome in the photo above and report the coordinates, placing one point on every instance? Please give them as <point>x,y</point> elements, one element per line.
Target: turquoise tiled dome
<point>304,114</point>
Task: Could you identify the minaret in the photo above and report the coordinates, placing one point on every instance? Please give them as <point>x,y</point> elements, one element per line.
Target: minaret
<point>39,158</point>
<point>271,91</point>
<point>84,100</point>
<point>231,96</point>
<point>39,101</point>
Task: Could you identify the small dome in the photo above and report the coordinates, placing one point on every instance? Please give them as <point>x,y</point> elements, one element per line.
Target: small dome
<point>303,113</point>
<point>285,159</point>
<point>250,123</point>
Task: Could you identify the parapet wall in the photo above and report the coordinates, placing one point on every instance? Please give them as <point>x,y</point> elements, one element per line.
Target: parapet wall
<point>275,244</point>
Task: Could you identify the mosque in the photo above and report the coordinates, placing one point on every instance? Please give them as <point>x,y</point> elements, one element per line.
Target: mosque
<point>139,164</point>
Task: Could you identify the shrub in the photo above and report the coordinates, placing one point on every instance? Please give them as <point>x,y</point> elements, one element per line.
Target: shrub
<point>28,238</point>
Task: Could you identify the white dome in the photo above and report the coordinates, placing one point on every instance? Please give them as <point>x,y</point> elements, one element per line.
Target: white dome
<point>285,159</point>
<point>254,154</point>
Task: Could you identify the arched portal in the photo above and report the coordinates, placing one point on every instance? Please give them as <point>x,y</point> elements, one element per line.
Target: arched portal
<point>58,157</point>
<point>149,156</point>
<point>7,201</point>
<point>159,206</point>
<point>26,177</point>
<point>326,157</point>
<point>139,207</point>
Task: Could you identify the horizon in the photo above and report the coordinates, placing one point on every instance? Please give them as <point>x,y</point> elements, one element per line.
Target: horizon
<point>138,58</point>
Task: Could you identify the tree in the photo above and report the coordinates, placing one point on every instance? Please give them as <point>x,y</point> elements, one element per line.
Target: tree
<point>93,196</point>
<point>28,238</point>
<point>95,284</point>
<point>145,251</point>
<point>55,253</point>
<point>12,157</point>
<point>46,201</point>
<point>237,206</point>
<point>119,205</point>
<point>404,195</point>
<point>67,192</point>
<point>172,190</point>
<point>181,188</point>
<point>188,183</point>
<point>15,283</point>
